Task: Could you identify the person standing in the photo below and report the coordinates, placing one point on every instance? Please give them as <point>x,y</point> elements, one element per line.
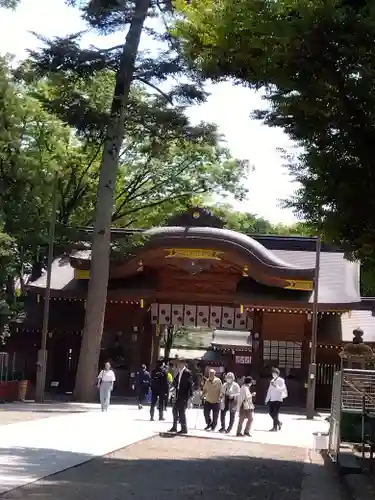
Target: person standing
<point>143,385</point>
<point>245,408</point>
<point>159,390</point>
<point>183,385</point>
<point>170,387</point>
<point>277,392</point>
<point>211,395</point>
<point>230,392</point>
<point>106,379</point>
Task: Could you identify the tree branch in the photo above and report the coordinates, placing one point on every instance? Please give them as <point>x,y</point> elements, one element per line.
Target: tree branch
<point>155,204</point>
<point>151,85</point>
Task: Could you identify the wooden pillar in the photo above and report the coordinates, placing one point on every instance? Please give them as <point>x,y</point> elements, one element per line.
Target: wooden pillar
<point>154,344</point>
<point>257,355</point>
<point>307,335</point>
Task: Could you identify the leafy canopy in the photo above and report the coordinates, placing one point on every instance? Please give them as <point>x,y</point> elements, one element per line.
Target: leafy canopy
<point>9,4</point>
<point>315,62</point>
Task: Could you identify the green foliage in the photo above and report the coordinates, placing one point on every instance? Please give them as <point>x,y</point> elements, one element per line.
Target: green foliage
<point>128,246</point>
<point>316,64</point>
<point>164,160</point>
<point>9,4</point>
<point>248,223</point>
<point>178,336</point>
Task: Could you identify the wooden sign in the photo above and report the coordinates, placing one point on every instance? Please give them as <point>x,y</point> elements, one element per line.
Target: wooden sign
<point>299,285</point>
<point>193,253</point>
<point>81,274</point>
<point>243,360</point>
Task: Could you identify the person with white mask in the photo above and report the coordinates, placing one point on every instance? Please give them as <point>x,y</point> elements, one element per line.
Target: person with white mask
<point>277,392</point>
<point>228,402</point>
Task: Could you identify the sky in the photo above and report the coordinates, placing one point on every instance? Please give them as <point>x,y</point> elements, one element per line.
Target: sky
<point>228,106</point>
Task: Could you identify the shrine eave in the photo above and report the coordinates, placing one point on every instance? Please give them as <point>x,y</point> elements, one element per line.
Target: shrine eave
<point>245,250</point>
<point>149,296</point>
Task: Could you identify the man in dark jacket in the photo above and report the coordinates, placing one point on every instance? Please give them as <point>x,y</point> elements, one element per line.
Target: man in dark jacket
<point>183,384</point>
<point>159,388</point>
<point>143,385</point>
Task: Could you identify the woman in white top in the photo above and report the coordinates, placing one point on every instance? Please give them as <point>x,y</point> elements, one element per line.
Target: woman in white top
<point>106,379</point>
<point>245,407</point>
<point>276,394</point>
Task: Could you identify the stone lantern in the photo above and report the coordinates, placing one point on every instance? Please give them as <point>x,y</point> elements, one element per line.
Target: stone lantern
<point>356,354</point>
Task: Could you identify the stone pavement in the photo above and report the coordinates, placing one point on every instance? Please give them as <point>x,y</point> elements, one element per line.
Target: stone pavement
<point>34,449</point>
<point>22,412</point>
<point>187,468</point>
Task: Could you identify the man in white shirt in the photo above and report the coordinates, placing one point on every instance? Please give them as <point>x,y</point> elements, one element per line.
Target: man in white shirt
<point>276,394</point>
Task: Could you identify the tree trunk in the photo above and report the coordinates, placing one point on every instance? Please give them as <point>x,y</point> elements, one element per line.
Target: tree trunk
<point>100,255</point>
<point>168,343</point>
<point>10,290</point>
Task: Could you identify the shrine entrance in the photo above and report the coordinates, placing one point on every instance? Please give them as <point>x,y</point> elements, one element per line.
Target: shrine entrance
<point>229,333</point>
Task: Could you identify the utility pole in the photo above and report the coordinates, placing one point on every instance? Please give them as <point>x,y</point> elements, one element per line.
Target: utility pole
<point>311,383</point>
<point>42,353</point>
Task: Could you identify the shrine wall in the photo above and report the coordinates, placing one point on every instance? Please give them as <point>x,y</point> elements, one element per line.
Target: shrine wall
<point>283,326</point>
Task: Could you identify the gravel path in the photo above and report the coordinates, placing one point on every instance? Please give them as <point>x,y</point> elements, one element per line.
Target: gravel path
<point>183,468</point>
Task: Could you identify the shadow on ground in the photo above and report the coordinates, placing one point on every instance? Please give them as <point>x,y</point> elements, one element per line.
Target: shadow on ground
<point>166,469</point>
<point>20,466</point>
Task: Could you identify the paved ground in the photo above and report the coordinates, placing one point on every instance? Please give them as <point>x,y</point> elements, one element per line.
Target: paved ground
<point>12,417</point>
<point>25,412</point>
<point>76,435</point>
<point>183,468</point>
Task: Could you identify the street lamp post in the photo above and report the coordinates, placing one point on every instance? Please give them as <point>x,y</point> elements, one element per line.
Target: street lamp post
<point>311,383</point>
<point>42,353</point>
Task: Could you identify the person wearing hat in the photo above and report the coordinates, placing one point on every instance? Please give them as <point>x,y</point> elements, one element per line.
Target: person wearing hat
<point>183,385</point>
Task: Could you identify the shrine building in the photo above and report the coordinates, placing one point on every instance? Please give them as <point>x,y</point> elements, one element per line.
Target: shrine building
<point>246,302</point>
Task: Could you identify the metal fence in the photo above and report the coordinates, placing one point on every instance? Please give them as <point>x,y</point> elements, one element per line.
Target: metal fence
<point>334,427</point>
<point>356,385</point>
<point>352,409</point>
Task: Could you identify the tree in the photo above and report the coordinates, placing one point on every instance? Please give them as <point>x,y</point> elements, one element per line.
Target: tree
<point>164,160</point>
<point>248,223</point>
<point>181,336</point>
<point>316,64</point>
<point>171,335</point>
<point>129,65</point>
<point>35,147</point>
<point>9,4</point>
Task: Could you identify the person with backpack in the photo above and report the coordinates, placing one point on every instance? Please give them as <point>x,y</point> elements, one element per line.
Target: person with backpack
<point>159,390</point>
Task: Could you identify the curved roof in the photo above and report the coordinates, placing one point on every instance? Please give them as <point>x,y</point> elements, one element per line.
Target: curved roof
<point>245,247</point>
